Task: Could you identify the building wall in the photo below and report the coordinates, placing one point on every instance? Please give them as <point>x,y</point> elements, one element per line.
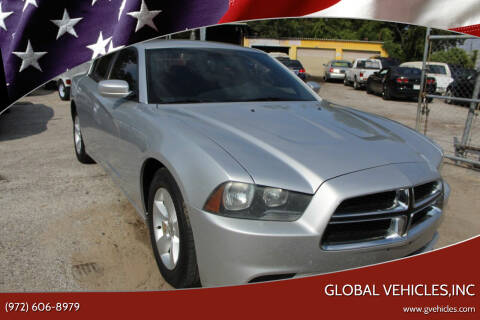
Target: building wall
<point>313,60</point>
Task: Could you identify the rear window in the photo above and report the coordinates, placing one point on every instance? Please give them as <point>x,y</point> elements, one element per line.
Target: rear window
<point>291,63</point>
<point>344,64</point>
<point>436,69</point>
<point>408,71</point>
<point>372,65</point>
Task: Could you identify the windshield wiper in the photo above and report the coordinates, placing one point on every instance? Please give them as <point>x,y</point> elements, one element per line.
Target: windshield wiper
<point>187,101</point>
<point>267,99</point>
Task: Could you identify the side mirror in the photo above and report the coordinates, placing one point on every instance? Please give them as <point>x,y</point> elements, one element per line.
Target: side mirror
<point>315,86</point>
<point>114,88</point>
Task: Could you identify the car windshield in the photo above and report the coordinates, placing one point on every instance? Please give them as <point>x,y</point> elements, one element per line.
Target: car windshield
<point>343,64</point>
<point>436,69</point>
<point>196,75</point>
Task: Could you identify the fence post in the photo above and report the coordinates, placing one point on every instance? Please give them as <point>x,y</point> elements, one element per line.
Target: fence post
<point>422,83</point>
<point>471,113</point>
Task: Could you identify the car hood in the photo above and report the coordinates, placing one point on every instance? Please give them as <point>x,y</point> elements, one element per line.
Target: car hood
<point>299,145</point>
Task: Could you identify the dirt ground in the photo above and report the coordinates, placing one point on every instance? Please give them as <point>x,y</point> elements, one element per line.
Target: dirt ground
<point>65,226</point>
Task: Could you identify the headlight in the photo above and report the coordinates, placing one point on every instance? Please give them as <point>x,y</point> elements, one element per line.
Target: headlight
<point>248,201</point>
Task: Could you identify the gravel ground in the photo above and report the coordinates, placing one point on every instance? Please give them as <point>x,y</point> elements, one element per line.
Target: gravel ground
<point>66,227</point>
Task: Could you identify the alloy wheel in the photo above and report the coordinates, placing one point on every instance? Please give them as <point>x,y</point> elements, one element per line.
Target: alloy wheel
<point>165,228</point>
<point>61,90</point>
<point>77,135</point>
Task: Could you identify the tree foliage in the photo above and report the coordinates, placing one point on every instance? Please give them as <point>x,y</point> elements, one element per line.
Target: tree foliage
<point>455,56</point>
<point>402,41</point>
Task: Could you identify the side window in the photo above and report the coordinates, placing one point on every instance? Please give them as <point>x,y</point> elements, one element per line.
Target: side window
<point>125,68</point>
<point>101,67</point>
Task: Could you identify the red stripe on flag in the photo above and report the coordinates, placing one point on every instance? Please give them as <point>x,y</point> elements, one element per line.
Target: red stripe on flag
<point>260,9</point>
<point>473,30</point>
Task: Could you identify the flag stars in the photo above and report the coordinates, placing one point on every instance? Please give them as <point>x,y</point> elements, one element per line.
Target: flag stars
<point>145,17</point>
<point>29,57</point>
<point>99,48</point>
<point>32,2</point>
<point>66,25</point>
<point>3,16</point>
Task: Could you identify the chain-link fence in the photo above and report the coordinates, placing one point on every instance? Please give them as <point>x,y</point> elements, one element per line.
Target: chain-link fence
<point>450,115</point>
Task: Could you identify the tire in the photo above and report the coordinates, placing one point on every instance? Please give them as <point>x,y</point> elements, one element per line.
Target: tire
<point>177,266</point>
<point>345,81</point>
<point>356,85</point>
<point>369,91</point>
<point>449,93</point>
<point>386,93</point>
<point>63,91</point>
<point>78,144</point>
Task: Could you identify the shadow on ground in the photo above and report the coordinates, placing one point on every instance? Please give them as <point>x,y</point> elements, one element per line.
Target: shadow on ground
<point>24,119</point>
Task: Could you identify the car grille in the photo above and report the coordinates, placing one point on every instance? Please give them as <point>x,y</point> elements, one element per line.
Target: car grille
<point>376,218</point>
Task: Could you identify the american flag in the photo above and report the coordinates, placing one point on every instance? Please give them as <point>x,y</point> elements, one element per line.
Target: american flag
<point>40,39</point>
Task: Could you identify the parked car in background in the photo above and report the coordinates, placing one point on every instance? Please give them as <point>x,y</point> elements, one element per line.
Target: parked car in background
<point>462,87</point>
<point>244,174</point>
<point>294,65</point>
<point>387,62</point>
<point>460,72</point>
<point>63,81</point>
<point>439,70</point>
<point>360,71</point>
<point>398,82</point>
<point>336,69</point>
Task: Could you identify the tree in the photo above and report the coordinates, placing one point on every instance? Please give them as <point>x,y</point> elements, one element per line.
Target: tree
<point>401,41</point>
<point>454,56</point>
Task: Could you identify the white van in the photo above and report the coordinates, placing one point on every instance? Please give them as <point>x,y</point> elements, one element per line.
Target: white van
<point>438,70</point>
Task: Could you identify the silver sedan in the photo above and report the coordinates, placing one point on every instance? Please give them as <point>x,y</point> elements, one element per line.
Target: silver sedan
<point>244,174</point>
<point>336,70</point>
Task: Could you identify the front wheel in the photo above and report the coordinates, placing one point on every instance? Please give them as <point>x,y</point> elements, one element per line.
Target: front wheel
<point>79,145</point>
<point>170,232</point>
<point>368,89</point>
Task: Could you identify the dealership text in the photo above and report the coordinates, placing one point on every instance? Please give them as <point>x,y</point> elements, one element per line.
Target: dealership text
<point>444,290</point>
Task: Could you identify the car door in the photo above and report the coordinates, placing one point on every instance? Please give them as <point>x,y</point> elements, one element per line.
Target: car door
<point>93,120</point>
<point>351,71</point>
<point>129,142</point>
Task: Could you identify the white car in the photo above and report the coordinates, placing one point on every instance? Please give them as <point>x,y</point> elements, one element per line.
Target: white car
<point>360,71</point>
<point>438,70</point>
<point>64,80</point>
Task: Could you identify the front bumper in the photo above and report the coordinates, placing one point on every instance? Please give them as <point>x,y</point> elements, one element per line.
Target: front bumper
<point>236,251</point>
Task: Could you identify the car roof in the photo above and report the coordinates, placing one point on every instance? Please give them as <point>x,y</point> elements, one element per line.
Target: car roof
<point>420,63</point>
<point>161,43</point>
